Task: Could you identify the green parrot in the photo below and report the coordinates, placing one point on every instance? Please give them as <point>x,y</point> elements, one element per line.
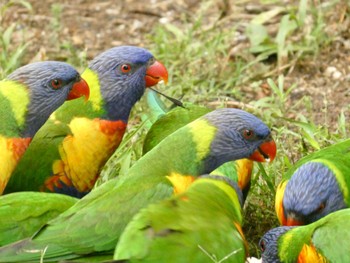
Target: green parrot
<point>95,222</point>
<point>167,121</point>
<point>23,213</point>
<point>28,96</point>
<point>79,138</point>
<point>315,186</point>
<point>326,240</point>
<point>201,223</point>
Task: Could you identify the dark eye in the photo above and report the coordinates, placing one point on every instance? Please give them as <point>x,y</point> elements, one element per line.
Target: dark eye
<point>56,83</point>
<point>248,134</point>
<point>125,68</point>
<point>320,208</point>
<point>262,245</point>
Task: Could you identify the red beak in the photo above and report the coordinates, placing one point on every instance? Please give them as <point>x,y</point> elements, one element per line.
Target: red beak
<point>155,73</point>
<point>80,88</point>
<point>292,222</point>
<point>266,152</point>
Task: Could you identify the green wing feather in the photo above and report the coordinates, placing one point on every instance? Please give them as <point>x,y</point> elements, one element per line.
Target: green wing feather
<point>141,188</point>
<point>166,122</point>
<point>328,235</point>
<point>188,227</point>
<point>338,153</point>
<point>22,214</point>
<point>332,237</point>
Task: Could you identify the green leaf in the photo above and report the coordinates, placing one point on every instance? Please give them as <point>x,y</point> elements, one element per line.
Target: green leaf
<point>257,34</point>
<point>302,12</point>
<point>267,16</point>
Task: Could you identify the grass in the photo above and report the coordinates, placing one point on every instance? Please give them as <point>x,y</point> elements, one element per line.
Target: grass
<point>10,55</point>
<point>204,69</point>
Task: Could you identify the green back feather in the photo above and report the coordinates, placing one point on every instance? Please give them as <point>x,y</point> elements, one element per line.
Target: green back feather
<point>328,235</point>
<point>184,225</point>
<point>23,213</point>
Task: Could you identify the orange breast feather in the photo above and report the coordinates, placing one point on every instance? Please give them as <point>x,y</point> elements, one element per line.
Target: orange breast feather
<point>11,150</point>
<point>84,153</point>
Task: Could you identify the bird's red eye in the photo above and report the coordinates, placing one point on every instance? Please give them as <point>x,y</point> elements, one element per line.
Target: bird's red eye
<point>248,134</point>
<point>56,83</point>
<point>262,245</point>
<point>125,68</point>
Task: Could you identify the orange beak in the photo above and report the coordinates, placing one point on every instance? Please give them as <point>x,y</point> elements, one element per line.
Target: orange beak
<point>266,152</point>
<point>156,73</point>
<point>79,89</point>
<point>292,220</point>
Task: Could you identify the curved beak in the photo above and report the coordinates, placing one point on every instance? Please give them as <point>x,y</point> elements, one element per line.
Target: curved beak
<point>266,152</point>
<point>291,219</point>
<point>79,89</point>
<point>155,73</point>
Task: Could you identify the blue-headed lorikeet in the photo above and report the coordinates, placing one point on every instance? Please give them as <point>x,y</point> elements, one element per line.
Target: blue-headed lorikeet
<point>27,98</point>
<point>315,186</point>
<point>95,223</point>
<point>167,121</point>
<point>325,240</point>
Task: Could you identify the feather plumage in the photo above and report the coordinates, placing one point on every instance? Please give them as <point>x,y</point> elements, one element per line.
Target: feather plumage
<point>204,220</point>
<point>201,146</point>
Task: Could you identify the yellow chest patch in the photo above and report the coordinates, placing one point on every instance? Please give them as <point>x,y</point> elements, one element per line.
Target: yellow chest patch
<point>180,182</point>
<point>11,151</point>
<point>85,152</point>
<point>244,172</point>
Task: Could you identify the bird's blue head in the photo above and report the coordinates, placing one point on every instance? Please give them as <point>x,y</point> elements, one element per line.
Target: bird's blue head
<point>49,84</point>
<point>311,193</point>
<point>239,135</point>
<point>124,72</point>
<point>269,244</point>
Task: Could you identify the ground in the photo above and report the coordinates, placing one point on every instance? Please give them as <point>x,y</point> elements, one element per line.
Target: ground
<point>75,30</point>
<point>93,26</point>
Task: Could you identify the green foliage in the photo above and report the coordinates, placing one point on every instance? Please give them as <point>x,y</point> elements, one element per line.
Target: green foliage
<point>10,55</point>
<point>197,57</point>
<point>294,37</point>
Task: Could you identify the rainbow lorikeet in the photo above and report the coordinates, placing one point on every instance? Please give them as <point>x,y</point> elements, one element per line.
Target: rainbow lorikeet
<point>27,98</point>
<point>315,186</point>
<point>166,121</point>
<point>325,240</point>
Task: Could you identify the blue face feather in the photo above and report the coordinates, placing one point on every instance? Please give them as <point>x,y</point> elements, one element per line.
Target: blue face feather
<point>229,137</point>
<point>44,97</point>
<point>119,90</point>
<point>269,244</point>
<point>311,193</point>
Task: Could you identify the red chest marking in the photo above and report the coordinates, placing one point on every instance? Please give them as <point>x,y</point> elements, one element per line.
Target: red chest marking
<point>111,127</point>
<point>18,146</point>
